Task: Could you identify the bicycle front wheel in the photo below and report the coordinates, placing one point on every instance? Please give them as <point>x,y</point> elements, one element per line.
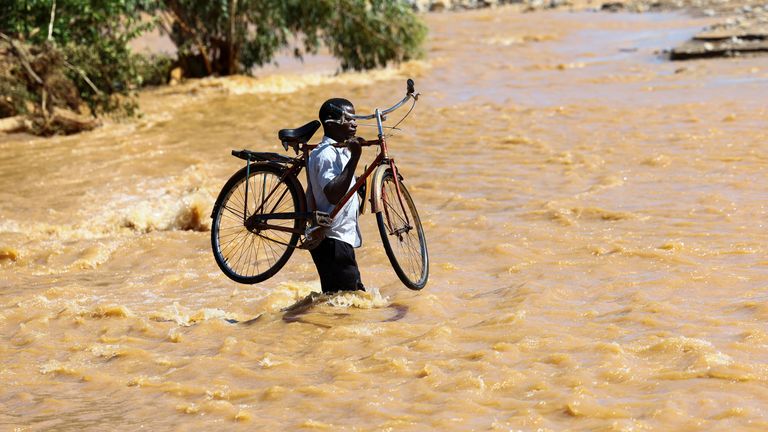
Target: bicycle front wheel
<point>402,234</point>
<point>249,252</point>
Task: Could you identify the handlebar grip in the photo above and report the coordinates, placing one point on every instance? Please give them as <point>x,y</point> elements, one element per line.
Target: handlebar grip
<point>410,86</point>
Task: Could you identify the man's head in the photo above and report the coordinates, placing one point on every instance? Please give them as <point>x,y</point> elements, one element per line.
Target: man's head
<point>335,125</point>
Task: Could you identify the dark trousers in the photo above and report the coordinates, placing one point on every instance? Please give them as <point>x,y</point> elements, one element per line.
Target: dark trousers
<point>337,267</point>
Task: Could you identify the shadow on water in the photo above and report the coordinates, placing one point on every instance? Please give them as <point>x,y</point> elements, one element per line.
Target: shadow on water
<point>297,311</point>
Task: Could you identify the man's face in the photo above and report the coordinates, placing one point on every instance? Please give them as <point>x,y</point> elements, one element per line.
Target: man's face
<point>344,129</point>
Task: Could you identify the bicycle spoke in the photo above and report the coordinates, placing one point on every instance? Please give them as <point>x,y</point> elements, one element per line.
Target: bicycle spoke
<point>265,193</point>
<point>242,251</point>
<point>401,231</point>
<point>226,251</point>
<point>264,190</point>
<point>394,211</point>
<point>267,253</point>
<point>393,199</point>
<point>230,238</point>
<point>230,234</point>
<point>239,200</point>
<point>242,248</point>
<point>241,242</point>
<point>256,259</point>
<point>279,241</point>
<point>275,238</point>
<point>413,260</point>
<point>230,254</point>
<point>277,201</point>
<point>238,234</point>
<point>234,212</point>
<point>251,252</point>
<point>275,247</point>
<point>253,255</point>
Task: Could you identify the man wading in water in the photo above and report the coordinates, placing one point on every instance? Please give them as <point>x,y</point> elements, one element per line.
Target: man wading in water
<point>331,173</point>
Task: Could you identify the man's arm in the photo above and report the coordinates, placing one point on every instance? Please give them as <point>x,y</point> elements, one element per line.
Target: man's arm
<point>338,187</point>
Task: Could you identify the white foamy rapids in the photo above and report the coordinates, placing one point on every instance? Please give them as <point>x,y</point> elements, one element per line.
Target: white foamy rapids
<point>290,83</point>
<point>181,202</point>
<point>369,299</point>
<point>186,317</point>
<point>283,296</point>
<point>289,293</point>
<point>163,213</point>
<point>54,248</point>
<point>518,39</point>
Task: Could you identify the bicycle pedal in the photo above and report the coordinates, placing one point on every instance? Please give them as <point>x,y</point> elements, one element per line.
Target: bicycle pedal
<point>313,236</point>
<point>321,219</point>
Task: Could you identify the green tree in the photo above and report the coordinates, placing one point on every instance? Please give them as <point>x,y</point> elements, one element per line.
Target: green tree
<point>91,37</point>
<point>224,37</point>
<point>61,53</point>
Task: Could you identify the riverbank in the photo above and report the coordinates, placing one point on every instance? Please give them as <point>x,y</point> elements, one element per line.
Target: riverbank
<point>743,29</point>
<point>710,8</point>
<point>595,220</point>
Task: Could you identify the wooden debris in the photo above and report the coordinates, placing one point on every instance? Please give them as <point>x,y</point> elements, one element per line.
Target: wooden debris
<point>41,74</point>
<point>13,124</point>
<point>68,122</point>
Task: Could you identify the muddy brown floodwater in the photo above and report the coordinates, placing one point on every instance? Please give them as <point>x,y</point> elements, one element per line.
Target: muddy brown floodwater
<point>596,218</point>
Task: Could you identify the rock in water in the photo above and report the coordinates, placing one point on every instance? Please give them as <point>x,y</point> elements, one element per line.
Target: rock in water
<point>724,40</point>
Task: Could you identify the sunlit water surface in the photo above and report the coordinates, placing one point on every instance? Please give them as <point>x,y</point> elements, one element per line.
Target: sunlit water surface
<point>596,219</point>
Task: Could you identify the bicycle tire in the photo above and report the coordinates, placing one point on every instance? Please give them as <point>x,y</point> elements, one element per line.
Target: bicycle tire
<point>240,253</point>
<point>409,259</point>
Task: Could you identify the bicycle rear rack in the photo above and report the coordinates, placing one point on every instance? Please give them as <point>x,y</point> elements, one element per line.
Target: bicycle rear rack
<point>261,156</point>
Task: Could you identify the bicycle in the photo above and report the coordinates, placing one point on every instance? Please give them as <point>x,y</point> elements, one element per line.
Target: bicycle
<point>261,214</point>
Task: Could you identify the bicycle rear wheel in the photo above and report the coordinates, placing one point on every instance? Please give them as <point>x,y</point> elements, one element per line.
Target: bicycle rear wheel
<point>402,234</point>
<point>249,253</point>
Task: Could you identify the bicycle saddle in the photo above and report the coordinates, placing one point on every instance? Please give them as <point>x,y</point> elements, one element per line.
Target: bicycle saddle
<point>299,135</point>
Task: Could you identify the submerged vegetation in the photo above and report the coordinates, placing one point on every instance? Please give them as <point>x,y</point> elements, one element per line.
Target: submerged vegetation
<point>65,62</point>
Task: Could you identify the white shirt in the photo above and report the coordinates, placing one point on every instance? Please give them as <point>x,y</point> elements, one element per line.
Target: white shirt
<point>325,163</point>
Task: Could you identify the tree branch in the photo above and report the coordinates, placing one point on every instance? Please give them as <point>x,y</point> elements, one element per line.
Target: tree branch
<point>53,17</point>
<point>231,37</point>
<point>176,11</point>
<point>85,77</point>
<point>23,57</point>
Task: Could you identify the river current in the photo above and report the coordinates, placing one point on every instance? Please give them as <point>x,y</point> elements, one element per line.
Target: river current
<point>596,220</point>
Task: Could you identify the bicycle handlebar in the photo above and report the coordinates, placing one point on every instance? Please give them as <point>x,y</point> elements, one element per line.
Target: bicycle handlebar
<point>410,93</point>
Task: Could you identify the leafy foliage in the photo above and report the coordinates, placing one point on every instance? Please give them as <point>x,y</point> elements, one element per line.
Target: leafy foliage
<point>153,69</point>
<point>228,36</point>
<point>14,94</point>
<point>63,53</point>
<point>367,35</point>
<point>92,36</point>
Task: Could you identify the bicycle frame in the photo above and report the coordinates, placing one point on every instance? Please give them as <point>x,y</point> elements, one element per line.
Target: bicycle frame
<point>258,221</point>
<point>263,213</point>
